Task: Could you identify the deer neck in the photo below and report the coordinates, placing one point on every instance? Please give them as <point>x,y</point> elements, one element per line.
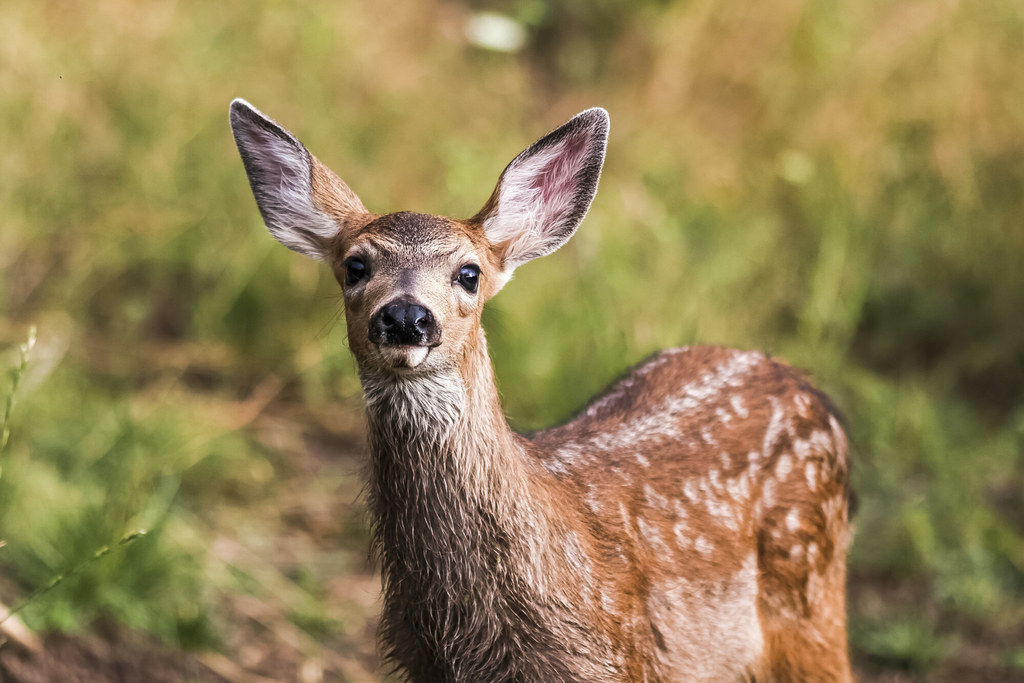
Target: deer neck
<point>445,467</point>
<point>449,422</point>
<point>462,525</point>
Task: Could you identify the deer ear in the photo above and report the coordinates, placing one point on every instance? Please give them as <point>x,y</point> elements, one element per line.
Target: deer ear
<point>543,195</point>
<point>302,202</point>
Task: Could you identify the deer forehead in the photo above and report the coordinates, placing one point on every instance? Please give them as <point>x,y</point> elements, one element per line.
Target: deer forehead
<point>406,239</point>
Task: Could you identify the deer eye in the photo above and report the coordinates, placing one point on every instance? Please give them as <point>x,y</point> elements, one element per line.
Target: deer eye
<point>355,270</point>
<point>469,278</point>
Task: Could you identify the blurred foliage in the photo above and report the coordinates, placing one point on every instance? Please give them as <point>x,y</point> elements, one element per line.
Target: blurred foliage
<point>841,185</point>
<point>904,643</point>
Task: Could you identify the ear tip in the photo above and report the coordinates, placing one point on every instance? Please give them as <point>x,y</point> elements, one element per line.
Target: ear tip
<point>596,115</point>
<point>242,110</point>
<point>596,118</point>
<point>239,109</point>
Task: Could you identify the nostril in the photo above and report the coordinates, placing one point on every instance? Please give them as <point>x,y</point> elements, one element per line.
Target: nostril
<point>422,319</point>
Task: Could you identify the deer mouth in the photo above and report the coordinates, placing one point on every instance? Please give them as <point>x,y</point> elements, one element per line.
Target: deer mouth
<point>403,356</point>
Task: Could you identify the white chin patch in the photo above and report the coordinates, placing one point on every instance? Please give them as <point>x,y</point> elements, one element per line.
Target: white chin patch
<point>417,355</point>
<point>404,356</point>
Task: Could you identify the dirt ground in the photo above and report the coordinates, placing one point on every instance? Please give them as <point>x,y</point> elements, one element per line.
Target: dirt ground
<point>112,655</point>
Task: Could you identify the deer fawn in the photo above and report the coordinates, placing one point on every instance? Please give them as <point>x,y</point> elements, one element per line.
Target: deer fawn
<point>689,525</point>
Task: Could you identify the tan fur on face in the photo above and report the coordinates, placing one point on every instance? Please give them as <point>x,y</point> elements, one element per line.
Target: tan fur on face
<point>417,257</point>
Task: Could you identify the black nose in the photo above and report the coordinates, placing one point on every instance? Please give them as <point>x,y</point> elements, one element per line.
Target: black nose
<point>405,323</point>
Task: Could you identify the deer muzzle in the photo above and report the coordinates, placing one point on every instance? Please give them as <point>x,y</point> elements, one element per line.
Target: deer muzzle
<point>404,323</point>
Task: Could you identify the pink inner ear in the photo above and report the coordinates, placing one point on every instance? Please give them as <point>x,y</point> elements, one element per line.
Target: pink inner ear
<point>553,185</point>
<point>555,182</point>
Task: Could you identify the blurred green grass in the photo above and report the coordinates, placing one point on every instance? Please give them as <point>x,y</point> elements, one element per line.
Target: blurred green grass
<point>842,186</point>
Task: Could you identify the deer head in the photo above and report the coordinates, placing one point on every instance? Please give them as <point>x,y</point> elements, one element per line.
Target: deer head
<point>414,284</point>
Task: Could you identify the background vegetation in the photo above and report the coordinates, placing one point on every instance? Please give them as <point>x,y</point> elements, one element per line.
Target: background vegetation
<point>841,185</point>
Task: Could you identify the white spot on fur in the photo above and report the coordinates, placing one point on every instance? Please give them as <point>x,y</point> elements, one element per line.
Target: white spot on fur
<point>739,488</point>
<point>642,459</point>
<point>703,545</point>
<point>624,514</point>
<point>783,467</point>
<point>814,589</point>
<point>812,552</point>
<point>803,405</point>
<point>679,531</point>
<point>738,407</point>
<point>841,443</point>
<point>834,509</point>
<point>655,499</point>
<point>652,535</point>
<point>792,520</point>
<point>768,493</point>
<point>818,443</point>
<point>721,511</point>
<point>810,471</point>
<point>563,460</point>
<point>573,552</point>
<point>775,427</point>
<point>607,604</point>
<point>621,474</point>
<point>690,491</point>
